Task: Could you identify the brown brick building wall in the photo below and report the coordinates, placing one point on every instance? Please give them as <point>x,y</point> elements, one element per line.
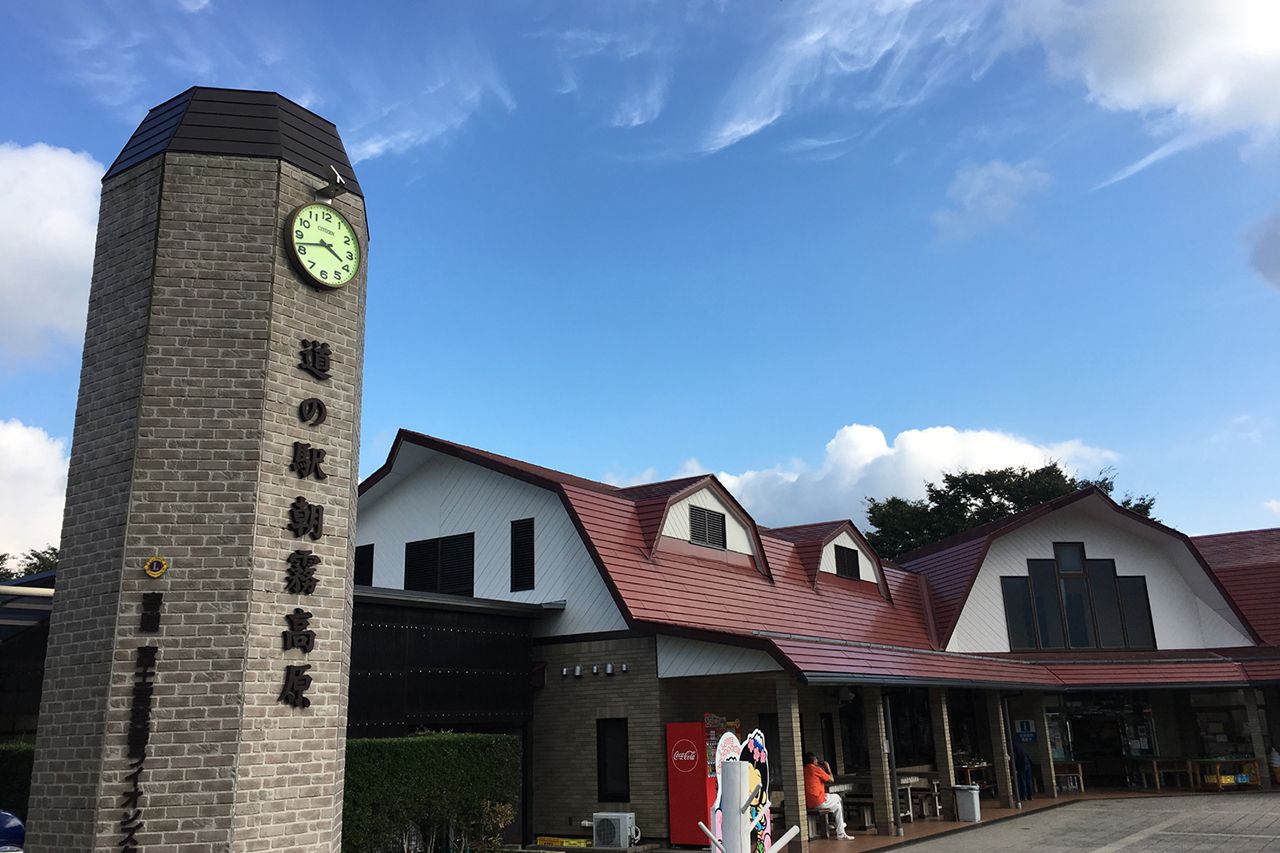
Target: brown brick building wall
<point>563,732</point>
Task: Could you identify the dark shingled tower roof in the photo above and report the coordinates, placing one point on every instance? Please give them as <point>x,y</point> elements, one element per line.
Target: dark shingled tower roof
<point>240,123</point>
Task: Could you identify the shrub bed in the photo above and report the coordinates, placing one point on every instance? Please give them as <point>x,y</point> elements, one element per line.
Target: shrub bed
<point>457,790</point>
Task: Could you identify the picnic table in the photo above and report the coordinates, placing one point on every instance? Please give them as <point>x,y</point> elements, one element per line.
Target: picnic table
<point>1155,769</point>
<point>1207,772</point>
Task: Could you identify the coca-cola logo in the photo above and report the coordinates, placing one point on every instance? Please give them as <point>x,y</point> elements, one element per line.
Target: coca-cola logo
<point>684,755</point>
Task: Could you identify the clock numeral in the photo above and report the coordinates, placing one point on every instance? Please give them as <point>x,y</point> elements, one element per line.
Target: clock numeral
<point>346,268</point>
<point>311,265</point>
<point>306,223</point>
<point>328,217</point>
<point>302,250</point>
<point>324,274</point>
<point>298,233</point>
<point>337,276</point>
<point>350,256</point>
<point>346,241</point>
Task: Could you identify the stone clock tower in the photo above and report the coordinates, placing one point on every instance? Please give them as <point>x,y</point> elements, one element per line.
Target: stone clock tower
<point>195,686</point>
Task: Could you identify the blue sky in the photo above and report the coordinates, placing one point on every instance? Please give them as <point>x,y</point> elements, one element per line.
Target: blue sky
<point>825,250</point>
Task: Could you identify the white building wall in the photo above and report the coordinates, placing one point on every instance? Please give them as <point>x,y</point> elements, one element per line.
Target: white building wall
<point>1186,608</point>
<point>679,657</point>
<point>866,566</point>
<point>736,536</point>
<point>447,496</point>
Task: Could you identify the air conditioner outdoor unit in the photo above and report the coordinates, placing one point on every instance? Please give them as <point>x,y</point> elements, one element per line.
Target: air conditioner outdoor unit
<point>612,829</point>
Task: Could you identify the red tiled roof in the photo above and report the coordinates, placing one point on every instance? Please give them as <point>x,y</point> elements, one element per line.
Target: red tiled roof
<point>1247,564</point>
<point>879,663</point>
<point>838,628</point>
<point>716,593</point>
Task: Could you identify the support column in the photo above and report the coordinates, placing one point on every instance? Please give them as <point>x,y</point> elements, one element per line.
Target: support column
<point>794,812</point>
<point>1043,752</point>
<point>882,792</point>
<point>1253,722</point>
<point>1000,750</point>
<point>940,713</point>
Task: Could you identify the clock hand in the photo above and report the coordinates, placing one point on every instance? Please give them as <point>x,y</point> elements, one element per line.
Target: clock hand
<point>331,251</point>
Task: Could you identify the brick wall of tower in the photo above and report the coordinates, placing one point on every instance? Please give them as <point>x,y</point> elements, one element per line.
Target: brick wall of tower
<point>69,740</point>
<point>214,403</point>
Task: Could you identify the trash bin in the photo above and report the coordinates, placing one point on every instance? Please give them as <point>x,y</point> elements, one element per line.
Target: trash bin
<point>967,807</point>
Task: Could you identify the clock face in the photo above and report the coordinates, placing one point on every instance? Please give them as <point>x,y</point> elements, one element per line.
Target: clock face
<point>323,245</point>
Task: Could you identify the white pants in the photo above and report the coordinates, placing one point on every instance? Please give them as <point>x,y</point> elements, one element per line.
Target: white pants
<point>835,805</point>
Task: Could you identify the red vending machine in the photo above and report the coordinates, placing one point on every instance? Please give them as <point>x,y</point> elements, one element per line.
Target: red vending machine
<point>687,782</point>
<point>691,775</point>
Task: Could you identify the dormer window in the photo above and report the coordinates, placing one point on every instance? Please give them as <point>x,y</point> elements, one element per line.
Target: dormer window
<point>706,527</point>
<point>847,563</point>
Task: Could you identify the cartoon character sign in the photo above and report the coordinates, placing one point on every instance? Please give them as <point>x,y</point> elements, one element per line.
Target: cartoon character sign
<point>753,752</point>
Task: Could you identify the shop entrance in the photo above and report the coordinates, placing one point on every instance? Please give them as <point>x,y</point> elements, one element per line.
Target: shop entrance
<point>1103,731</point>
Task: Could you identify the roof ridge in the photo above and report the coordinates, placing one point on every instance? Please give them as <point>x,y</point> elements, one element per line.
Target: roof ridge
<point>529,467</point>
<point>989,528</point>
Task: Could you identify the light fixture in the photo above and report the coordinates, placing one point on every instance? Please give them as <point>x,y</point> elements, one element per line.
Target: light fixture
<point>608,669</point>
<point>595,670</point>
<point>577,672</point>
<point>564,672</point>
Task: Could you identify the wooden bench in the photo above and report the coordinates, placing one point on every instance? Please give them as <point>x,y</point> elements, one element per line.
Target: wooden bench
<point>821,824</point>
<point>1069,771</point>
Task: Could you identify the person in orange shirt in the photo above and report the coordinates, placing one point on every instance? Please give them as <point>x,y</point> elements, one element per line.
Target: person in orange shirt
<point>816,798</point>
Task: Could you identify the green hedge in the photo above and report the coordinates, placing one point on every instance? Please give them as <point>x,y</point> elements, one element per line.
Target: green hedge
<point>15,777</point>
<point>440,783</point>
<point>445,784</point>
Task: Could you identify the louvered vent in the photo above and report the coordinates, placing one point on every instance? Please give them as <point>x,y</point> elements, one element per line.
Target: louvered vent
<point>522,555</point>
<point>847,563</point>
<point>706,527</point>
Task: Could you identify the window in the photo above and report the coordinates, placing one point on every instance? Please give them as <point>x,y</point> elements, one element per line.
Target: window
<point>706,527</point>
<point>522,555</point>
<point>1136,607</point>
<point>1106,602</point>
<point>1017,611</point>
<point>364,565</point>
<point>1075,603</point>
<point>1069,556</point>
<point>613,765</point>
<point>847,563</point>
<point>1048,608</point>
<point>443,565</point>
<point>1078,603</point>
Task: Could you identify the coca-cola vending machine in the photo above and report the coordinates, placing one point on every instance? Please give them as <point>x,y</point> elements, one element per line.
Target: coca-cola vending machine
<point>691,775</point>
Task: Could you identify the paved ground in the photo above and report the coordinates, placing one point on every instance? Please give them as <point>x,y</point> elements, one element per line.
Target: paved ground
<point>1236,823</point>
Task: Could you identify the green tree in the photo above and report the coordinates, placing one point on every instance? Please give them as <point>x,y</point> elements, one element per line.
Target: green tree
<point>34,561</point>
<point>967,499</point>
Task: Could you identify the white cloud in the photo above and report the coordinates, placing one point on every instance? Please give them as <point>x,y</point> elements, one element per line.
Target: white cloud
<point>49,204</point>
<point>459,83</point>
<point>989,194</point>
<point>194,5</point>
<point>892,53</point>
<point>1264,249</point>
<point>1198,70</point>
<point>859,462</point>
<point>33,481</point>
<point>642,104</point>
<point>1273,506</point>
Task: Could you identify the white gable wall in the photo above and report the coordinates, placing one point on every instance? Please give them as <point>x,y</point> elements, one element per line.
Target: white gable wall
<point>866,565</point>
<point>447,496</point>
<point>736,536</point>
<point>1186,608</point>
